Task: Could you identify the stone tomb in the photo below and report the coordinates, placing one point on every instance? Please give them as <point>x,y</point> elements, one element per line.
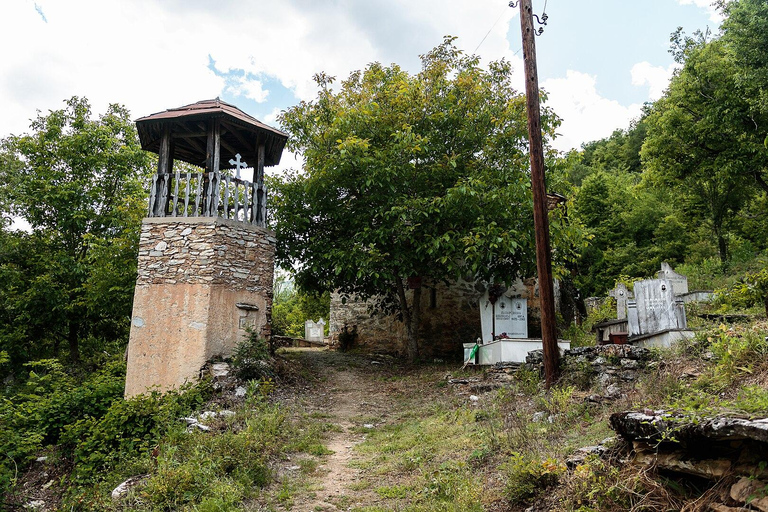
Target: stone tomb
<point>314,331</point>
<point>655,308</point>
<point>511,317</point>
<point>678,281</point>
<point>622,295</point>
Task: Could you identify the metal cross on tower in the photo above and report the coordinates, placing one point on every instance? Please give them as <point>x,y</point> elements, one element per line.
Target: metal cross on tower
<point>238,164</point>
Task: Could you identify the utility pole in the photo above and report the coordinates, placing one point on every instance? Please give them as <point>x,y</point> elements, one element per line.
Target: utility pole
<point>540,206</point>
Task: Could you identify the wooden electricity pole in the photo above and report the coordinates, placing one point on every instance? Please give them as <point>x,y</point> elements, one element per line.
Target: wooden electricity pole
<point>540,206</point>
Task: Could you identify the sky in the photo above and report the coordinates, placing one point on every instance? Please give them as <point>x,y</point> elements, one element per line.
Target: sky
<point>598,60</point>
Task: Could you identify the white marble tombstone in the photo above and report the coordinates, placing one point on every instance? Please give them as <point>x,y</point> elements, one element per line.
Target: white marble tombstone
<point>655,308</point>
<point>621,294</point>
<point>679,282</point>
<point>511,317</point>
<point>314,331</point>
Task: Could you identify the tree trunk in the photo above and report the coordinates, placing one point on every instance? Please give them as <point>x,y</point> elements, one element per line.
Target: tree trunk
<point>74,347</point>
<point>722,248</point>
<point>411,318</point>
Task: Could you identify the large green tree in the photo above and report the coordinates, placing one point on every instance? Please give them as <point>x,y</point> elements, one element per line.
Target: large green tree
<point>409,179</point>
<point>78,182</point>
<point>697,140</point>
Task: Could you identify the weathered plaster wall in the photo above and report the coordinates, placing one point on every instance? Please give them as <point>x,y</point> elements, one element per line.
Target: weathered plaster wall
<point>201,282</point>
<point>452,319</point>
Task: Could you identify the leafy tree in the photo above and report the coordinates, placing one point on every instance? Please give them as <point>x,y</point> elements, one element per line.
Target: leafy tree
<point>79,184</point>
<point>745,34</point>
<point>292,307</point>
<point>410,179</point>
<point>695,135</point>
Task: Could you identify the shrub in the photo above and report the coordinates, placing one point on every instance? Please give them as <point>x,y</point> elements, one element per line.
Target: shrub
<point>527,477</point>
<point>129,428</point>
<point>251,356</point>
<point>347,337</point>
<point>751,290</point>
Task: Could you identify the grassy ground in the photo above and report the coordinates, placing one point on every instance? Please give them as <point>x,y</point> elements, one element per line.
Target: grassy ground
<point>347,431</point>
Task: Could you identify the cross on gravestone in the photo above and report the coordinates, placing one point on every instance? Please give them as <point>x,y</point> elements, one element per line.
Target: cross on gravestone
<point>621,294</point>
<point>238,164</point>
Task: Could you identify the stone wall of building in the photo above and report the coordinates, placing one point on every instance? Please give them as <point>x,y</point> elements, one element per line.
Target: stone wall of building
<point>201,283</point>
<point>450,316</point>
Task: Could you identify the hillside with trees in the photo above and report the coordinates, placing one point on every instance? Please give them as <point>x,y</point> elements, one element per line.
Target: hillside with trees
<point>407,175</point>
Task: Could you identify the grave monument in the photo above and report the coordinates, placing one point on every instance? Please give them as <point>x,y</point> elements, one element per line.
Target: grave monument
<point>206,256</point>
<point>314,331</point>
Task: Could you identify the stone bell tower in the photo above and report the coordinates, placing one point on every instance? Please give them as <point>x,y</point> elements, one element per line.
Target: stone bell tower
<point>206,256</point>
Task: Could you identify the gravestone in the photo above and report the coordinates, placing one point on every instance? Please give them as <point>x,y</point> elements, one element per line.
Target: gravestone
<point>621,294</point>
<point>679,282</point>
<point>314,331</point>
<point>655,308</point>
<point>511,317</point>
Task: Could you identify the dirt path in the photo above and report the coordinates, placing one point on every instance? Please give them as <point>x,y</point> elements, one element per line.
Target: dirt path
<point>352,393</point>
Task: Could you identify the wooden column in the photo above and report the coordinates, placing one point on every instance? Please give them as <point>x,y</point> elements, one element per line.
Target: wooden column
<point>258,210</point>
<point>540,210</point>
<point>212,161</point>
<point>163,182</point>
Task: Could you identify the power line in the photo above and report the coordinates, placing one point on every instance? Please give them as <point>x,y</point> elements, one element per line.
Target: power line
<point>489,30</point>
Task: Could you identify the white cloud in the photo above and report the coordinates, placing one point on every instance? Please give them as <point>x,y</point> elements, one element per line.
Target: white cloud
<point>655,77</point>
<point>586,115</point>
<point>249,88</point>
<point>152,55</point>
<point>707,5</point>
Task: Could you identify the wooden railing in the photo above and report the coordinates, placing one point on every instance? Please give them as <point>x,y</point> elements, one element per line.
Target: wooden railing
<point>208,194</point>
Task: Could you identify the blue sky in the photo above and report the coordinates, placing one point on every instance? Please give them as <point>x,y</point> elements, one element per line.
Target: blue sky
<point>600,60</point>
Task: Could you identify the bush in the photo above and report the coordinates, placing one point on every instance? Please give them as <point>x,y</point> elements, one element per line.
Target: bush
<point>751,290</point>
<point>129,428</point>
<point>48,403</point>
<point>347,337</point>
<point>527,477</point>
<point>251,358</point>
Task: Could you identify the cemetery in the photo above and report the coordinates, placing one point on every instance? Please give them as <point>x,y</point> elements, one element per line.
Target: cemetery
<point>371,301</point>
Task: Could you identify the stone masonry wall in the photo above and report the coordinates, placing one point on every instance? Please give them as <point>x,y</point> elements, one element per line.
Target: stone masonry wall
<point>206,251</point>
<point>453,319</point>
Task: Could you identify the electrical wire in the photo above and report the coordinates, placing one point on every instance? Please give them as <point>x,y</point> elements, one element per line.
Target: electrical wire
<point>489,30</point>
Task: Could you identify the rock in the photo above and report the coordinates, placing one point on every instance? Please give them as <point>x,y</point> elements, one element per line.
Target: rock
<point>207,415</point>
<point>35,505</point>
<point>719,507</point>
<point>41,459</point>
<point>750,491</point>
<point>240,391</point>
<point>220,370</point>
<point>368,426</point>
<point>629,364</point>
<point>654,424</point>
<point>122,489</point>
<point>474,398</point>
<point>539,417</point>
<point>535,357</point>
<point>713,469</point>
<point>613,391</point>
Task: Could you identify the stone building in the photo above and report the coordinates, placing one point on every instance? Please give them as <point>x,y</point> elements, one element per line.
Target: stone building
<point>206,257</point>
<point>450,316</point>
